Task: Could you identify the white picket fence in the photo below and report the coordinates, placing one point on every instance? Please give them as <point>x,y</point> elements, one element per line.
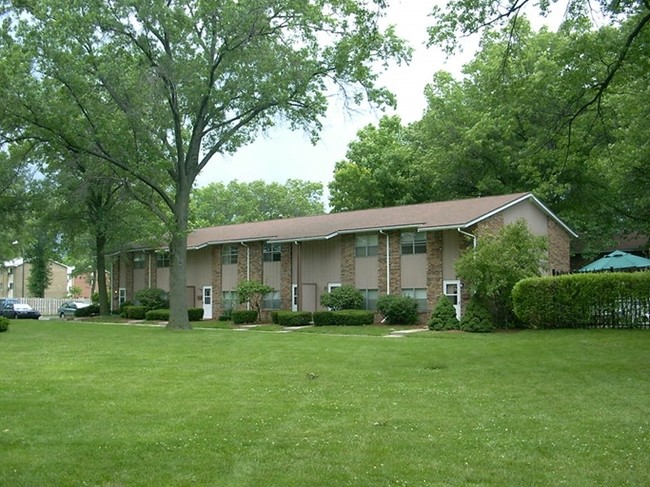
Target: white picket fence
<point>49,306</point>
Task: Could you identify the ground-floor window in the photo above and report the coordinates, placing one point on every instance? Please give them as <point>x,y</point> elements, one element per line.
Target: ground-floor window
<point>229,300</point>
<point>370,297</point>
<point>272,300</point>
<point>419,294</point>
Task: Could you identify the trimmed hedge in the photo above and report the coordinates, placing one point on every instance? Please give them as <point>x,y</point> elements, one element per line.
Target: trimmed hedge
<point>242,317</point>
<point>292,318</point>
<point>4,323</point>
<point>443,316</point>
<point>344,318</point>
<point>92,310</point>
<point>398,309</point>
<point>194,314</point>
<point>610,299</point>
<point>135,312</point>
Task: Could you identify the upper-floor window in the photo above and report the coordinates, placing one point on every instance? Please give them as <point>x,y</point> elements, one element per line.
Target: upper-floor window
<point>138,260</point>
<point>272,252</point>
<point>230,254</point>
<point>414,243</point>
<point>366,245</point>
<point>162,259</point>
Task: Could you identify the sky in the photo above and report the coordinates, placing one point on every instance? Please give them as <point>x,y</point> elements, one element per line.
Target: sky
<point>281,154</point>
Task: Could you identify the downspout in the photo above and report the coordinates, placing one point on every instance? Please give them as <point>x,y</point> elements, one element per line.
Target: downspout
<point>387,261</point>
<point>473,237</point>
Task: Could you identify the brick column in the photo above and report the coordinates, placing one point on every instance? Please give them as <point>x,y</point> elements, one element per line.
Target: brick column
<point>285,275</point>
<point>434,268</point>
<point>216,280</point>
<point>347,260</point>
<point>130,293</point>
<point>152,268</point>
<point>395,266</point>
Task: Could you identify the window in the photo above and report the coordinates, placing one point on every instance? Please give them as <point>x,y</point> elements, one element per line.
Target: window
<point>370,297</point>
<point>272,252</point>
<point>138,260</point>
<point>162,259</point>
<point>414,243</point>
<point>229,300</point>
<point>272,300</point>
<point>419,294</point>
<point>366,245</point>
<point>229,254</point>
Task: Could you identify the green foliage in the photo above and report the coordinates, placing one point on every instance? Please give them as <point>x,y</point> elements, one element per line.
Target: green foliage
<point>135,312</point>
<point>292,318</point>
<point>241,202</point>
<point>152,298</point>
<point>40,274</point>
<point>398,309</point>
<point>157,315</point>
<point>343,297</point>
<point>92,310</point>
<point>195,314</point>
<point>124,305</point>
<point>226,315</point>
<point>4,324</point>
<point>609,299</point>
<point>244,316</point>
<point>253,292</point>
<point>443,316</point>
<point>477,318</point>
<point>499,261</point>
<point>343,318</point>
<point>94,298</point>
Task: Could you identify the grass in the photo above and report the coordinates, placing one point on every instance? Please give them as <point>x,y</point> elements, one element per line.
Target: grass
<point>112,406</point>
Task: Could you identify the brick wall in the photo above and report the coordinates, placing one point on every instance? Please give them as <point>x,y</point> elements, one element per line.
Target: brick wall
<point>558,248</point>
<point>216,280</point>
<point>393,238</point>
<point>434,268</point>
<point>286,260</point>
<point>347,260</point>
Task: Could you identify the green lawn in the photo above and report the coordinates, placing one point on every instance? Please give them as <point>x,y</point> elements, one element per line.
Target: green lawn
<point>84,404</point>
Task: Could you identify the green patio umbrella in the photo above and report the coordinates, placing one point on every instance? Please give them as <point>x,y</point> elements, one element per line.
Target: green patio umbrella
<point>617,261</point>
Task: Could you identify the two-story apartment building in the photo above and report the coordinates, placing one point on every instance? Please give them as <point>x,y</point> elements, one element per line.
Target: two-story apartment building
<point>14,278</point>
<point>400,250</point>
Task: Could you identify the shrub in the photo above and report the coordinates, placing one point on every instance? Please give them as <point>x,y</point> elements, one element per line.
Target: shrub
<point>157,315</point>
<point>343,318</point>
<point>195,314</point>
<point>398,310</point>
<point>292,318</point>
<point>92,310</point>
<point>443,316</point>
<point>253,293</point>
<point>344,297</point>
<point>124,305</point>
<point>94,298</point>
<point>241,317</point>
<point>4,323</point>
<point>477,318</point>
<point>609,299</point>
<point>134,312</point>
<point>226,315</point>
<point>152,298</point>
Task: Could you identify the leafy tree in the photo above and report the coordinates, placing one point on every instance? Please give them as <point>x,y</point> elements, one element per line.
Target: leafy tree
<point>253,292</point>
<point>498,262</point>
<point>239,202</point>
<point>443,316</point>
<point>152,298</point>
<point>343,297</point>
<point>40,275</point>
<point>477,317</point>
<point>157,90</point>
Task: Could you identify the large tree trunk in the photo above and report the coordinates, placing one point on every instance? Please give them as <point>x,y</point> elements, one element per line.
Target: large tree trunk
<point>100,278</point>
<point>178,318</point>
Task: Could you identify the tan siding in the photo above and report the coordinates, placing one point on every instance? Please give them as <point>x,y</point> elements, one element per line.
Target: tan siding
<point>321,263</point>
<point>228,277</point>
<point>535,218</point>
<point>163,278</point>
<point>366,273</point>
<point>199,268</point>
<point>450,252</point>
<point>272,272</point>
<point>413,272</point>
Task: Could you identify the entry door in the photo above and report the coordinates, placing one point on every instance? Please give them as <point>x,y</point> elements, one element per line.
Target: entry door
<point>207,302</point>
<point>451,289</point>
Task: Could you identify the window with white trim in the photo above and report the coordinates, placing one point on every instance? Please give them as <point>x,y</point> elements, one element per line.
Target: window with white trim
<point>413,243</point>
<point>138,260</point>
<point>272,252</point>
<point>420,296</point>
<point>229,254</point>
<point>229,300</point>
<point>366,245</point>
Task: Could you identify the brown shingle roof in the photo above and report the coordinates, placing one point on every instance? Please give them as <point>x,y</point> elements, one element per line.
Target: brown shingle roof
<point>430,216</point>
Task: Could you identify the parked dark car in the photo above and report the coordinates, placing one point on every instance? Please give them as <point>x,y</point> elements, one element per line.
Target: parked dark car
<point>18,310</point>
<point>66,310</point>
<point>5,301</point>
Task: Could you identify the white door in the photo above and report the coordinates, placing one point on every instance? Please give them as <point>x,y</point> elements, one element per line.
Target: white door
<point>207,302</point>
<point>452,291</point>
